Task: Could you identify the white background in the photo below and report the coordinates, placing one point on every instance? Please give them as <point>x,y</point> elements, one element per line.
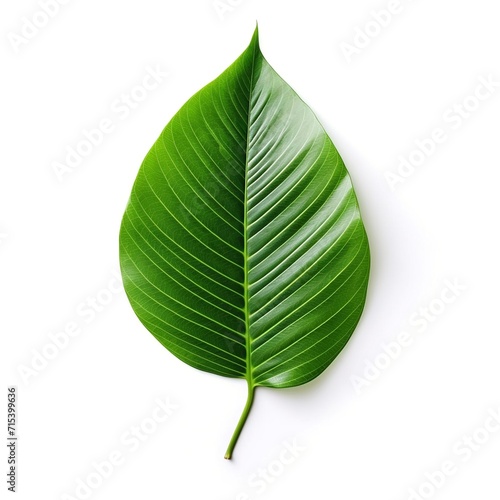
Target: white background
<point>59,247</point>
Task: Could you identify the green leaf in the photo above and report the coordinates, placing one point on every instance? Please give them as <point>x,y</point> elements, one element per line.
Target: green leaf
<point>242,248</point>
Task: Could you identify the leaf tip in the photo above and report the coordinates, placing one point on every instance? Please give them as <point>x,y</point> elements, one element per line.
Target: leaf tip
<point>255,37</point>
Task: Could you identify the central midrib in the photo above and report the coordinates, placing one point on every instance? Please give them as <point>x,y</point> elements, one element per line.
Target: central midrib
<point>248,375</point>
<point>248,343</point>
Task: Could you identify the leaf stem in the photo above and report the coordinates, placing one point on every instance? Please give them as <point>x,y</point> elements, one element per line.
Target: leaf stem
<point>241,422</point>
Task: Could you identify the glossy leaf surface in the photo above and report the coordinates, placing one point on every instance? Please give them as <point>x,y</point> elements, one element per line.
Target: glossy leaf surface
<point>242,247</point>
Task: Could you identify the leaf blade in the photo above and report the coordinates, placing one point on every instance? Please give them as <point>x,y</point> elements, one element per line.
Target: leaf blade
<point>242,246</point>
